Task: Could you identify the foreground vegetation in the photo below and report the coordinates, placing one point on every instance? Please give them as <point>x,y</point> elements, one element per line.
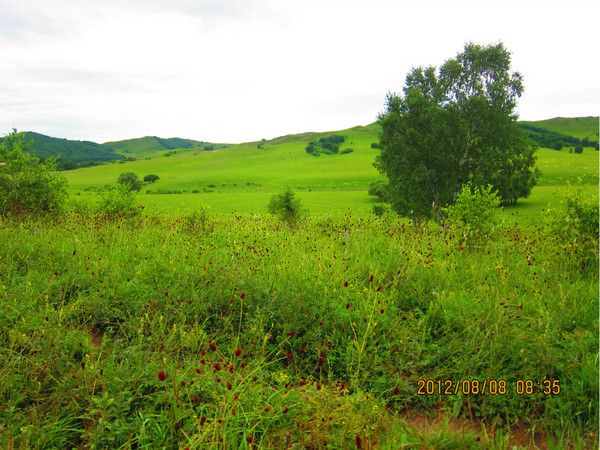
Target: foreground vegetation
<point>201,330</point>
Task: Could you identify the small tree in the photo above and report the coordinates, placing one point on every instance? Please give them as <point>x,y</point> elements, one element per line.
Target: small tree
<point>130,180</point>
<point>27,185</point>
<point>119,202</point>
<point>473,215</point>
<point>286,206</point>
<point>151,178</point>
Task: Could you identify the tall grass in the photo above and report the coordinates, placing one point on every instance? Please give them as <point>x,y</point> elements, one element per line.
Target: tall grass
<point>267,335</point>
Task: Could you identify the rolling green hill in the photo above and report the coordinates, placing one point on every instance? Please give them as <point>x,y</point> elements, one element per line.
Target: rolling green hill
<point>152,144</point>
<point>579,127</point>
<point>70,154</point>
<point>241,178</point>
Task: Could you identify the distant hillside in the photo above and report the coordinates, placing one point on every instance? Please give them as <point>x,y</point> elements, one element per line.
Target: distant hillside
<point>563,132</point>
<point>152,144</point>
<point>70,154</point>
<point>579,127</point>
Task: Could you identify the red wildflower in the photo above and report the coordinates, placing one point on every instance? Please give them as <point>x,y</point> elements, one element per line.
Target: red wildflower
<point>219,379</point>
<point>289,356</point>
<point>358,441</point>
<point>321,361</point>
<point>267,409</point>
<point>371,278</point>
<point>202,420</point>
<point>285,410</point>
<point>198,370</point>
<point>203,352</point>
<point>177,425</point>
<point>217,367</point>
<point>162,375</point>
<point>243,295</point>
<point>183,383</point>
<point>396,390</point>
<point>195,399</point>
<point>231,368</point>
<point>238,351</point>
<point>378,288</point>
<point>345,284</point>
<point>249,439</point>
<point>229,385</point>
<point>212,346</point>
<point>348,305</point>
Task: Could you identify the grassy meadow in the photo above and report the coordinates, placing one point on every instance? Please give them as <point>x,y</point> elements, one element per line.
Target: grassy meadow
<point>241,178</point>
<point>207,323</point>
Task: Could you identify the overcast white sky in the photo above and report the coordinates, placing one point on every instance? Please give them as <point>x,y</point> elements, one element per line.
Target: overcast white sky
<point>235,70</point>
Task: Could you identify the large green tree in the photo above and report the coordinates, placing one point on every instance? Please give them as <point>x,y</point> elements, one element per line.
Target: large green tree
<point>456,125</point>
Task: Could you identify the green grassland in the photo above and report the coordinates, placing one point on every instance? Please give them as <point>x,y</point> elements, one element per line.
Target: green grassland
<point>182,328</point>
<point>241,178</point>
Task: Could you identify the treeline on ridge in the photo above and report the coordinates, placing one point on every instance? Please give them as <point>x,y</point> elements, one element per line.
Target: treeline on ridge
<point>557,141</point>
<point>327,145</point>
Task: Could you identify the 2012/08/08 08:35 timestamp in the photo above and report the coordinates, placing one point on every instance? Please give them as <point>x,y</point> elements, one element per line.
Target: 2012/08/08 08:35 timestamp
<point>487,387</point>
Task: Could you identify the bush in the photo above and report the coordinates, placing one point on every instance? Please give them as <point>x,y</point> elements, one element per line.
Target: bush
<point>473,215</point>
<point>286,206</point>
<point>151,178</point>
<point>27,185</point>
<point>130,180</point>
<point>345,151</point>
<point>379,189</point>
<point>119,202</point>
<point>577,231</point>
<point>380,209</point>
<point>375,145</point>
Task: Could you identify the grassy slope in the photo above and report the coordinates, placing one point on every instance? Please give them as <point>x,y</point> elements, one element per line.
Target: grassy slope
<point>152,144</point>
<point>241,178</point>
<point>580,127</point>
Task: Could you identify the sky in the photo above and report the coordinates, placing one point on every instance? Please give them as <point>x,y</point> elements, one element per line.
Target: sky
<point>236,71</point>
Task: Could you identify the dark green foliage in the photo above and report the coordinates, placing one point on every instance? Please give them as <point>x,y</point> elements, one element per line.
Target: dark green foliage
<point>346,150</point>
<point>130,180</point>
<point>27,185</point>
<point>151,178</point>
<point>455,125</point>
<point>326,145</point>
<point>380,190</point>
<point>375,145</point>
<point>286,206</point>
<point>578,149</point>
<point>68,154</point>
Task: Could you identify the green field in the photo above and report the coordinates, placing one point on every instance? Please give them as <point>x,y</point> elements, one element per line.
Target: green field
<point>206,323</point>
<point>240,179</point>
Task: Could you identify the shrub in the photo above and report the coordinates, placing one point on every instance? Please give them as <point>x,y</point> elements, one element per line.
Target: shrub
<point>379,189</point>
<point>27,185</point>
<point>286,206</point>
<point>119,202</point>
<point>577,231</point>
<point>130,180</point>
<point>151,178</point>
<point>345,151</point>
<point>578,148</point>
<point>473,215</point>
<point>375,145</point>
<point>380,209</point>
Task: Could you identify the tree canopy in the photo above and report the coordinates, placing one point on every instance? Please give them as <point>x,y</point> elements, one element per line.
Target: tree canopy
<point>456,125</point>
